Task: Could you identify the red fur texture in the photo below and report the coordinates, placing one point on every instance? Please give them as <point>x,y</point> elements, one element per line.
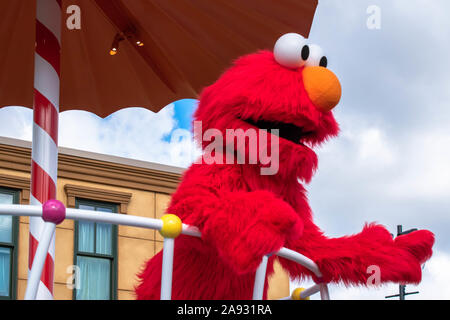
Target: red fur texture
<point>244,215</point>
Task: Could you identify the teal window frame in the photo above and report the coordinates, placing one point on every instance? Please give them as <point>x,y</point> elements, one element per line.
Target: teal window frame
<point>112,257</point>
<point>13,246</point>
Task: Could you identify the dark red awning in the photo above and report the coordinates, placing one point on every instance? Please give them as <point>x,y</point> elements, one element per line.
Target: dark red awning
<point>187,44</point>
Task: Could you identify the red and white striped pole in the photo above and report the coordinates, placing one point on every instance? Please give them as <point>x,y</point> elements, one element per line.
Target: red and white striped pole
<point>44,161</point>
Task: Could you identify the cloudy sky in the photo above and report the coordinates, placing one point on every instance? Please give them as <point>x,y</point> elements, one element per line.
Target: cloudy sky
<point>390,163</point>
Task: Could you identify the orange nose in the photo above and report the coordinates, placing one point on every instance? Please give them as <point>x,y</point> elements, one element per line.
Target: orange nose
<point>322,86</point>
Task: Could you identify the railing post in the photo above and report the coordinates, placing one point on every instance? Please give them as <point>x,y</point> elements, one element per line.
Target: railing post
<point>171,228</point>
<point>260,278</point>
<point>39,260</point>
<point>324,294</point>
<point>53,213</point>
<point>167,268</point>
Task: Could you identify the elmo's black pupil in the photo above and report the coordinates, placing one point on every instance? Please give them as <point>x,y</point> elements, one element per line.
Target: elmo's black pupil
<point>305,52</point>
<point>323,62</point>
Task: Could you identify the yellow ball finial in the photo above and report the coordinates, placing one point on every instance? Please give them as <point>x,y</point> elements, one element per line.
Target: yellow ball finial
<point>172,226</point>
<point>296,294</point>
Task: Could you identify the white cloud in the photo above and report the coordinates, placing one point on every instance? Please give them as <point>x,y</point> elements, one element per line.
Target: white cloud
<point>391,161</point>
<point>374,148</point>
<point>435,285</point>
<point>133,133</point>
<point>16,122</point>
<point>425,165</point>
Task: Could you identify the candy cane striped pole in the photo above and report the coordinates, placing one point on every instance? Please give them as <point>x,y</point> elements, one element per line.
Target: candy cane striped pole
<point>44,160</point>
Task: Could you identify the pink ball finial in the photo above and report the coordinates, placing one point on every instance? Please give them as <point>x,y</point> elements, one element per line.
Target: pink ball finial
<point>53,211</point>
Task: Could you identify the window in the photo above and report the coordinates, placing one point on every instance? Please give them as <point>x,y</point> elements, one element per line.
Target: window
<point>9,227</point>
<point>96,254</point>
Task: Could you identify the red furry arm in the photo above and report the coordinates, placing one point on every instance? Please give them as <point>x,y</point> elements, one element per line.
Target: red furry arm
<point>242,226</point>
<point>347,259</point>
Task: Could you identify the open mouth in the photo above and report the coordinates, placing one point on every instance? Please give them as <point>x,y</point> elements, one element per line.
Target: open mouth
<point>287,131</point>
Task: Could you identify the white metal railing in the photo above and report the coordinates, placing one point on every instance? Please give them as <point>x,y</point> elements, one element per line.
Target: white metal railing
<point>54,212</point>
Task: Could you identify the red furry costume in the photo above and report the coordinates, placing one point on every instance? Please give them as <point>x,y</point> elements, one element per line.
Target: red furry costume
<point>244,215</point>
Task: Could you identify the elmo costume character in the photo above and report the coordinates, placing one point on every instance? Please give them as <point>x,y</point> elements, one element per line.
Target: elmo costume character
<point>243,214</point>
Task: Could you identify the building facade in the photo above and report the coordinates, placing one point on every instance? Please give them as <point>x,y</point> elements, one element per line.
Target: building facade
<point>93,260</point>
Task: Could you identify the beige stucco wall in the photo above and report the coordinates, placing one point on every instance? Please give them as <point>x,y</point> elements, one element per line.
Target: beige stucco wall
<point>135,245</point>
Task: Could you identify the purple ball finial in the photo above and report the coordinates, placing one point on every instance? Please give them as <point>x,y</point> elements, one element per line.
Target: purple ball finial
<point>53,211</point>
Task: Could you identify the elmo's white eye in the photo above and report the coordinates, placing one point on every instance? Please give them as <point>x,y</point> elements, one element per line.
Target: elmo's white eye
<point>316,57</point>
<point>291,50</point>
